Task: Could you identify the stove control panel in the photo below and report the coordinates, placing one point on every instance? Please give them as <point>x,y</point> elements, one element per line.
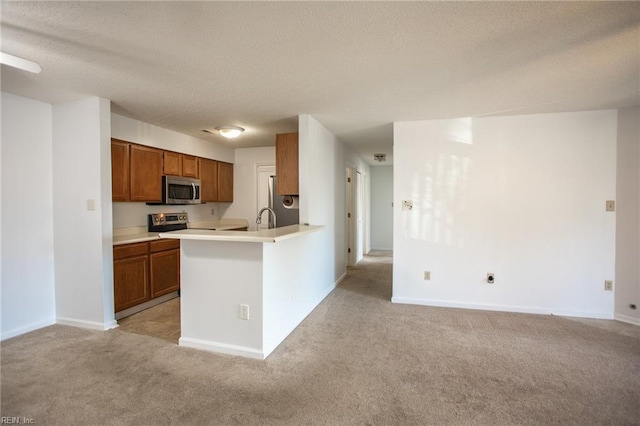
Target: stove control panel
<point>168,221</point>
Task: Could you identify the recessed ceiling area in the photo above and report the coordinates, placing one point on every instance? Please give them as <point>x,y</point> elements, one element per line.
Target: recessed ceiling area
<point>355,66</point>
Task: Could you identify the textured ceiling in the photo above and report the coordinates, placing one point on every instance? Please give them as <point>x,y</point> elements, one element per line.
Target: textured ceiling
<point>355,66</point>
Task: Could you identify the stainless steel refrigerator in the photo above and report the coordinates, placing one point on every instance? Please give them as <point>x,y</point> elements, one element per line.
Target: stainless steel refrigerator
<point>284,216</point>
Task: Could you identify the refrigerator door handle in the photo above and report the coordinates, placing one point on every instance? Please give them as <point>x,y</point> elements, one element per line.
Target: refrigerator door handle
<point>271,194</point>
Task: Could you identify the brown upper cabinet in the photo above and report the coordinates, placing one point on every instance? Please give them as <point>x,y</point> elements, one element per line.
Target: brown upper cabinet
<point>145,165</point>
<point>190,166</point>
<point>172,163</point>
<point>216,179</point>
<point>136,173</point>
<point>176,164</point>
<point>287,163</point>
<point>119,170</point>
<point>208,180</point>
<point>225,182</point>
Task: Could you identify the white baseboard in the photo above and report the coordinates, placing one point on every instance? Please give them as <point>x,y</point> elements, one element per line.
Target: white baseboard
<point>91,325</point>
<point>338,281</point>
<point>23,330</point>
<point>111,325</point>
<point>222,348</point>
<point>626,318</point>
<point>501,308</point>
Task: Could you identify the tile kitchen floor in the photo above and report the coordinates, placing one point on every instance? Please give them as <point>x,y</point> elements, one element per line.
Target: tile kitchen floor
<point>161,321</point>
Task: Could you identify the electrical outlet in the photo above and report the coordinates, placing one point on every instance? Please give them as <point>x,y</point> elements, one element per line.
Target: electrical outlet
<point>244,312</point>
<point>407,205</point>
<point>608,285</point>
<point>91,204</point>
<point>611,206</point>
<point>427,275</point>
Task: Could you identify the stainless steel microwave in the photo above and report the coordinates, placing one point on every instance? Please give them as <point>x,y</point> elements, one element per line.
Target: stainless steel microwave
<point>180,190</point>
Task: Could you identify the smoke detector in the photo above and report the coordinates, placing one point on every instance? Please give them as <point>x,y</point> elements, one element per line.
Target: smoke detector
<point>380,157</point>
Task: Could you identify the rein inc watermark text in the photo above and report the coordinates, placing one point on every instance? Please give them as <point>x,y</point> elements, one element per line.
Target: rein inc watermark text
<point>6,420</point>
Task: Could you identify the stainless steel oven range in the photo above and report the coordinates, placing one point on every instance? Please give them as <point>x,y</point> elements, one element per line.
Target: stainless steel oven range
<point>163,222</point>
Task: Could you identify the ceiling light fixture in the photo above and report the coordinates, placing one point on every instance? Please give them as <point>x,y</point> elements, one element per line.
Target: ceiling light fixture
<point>22,64</point>
<point>380,157</point>
<point>230,132</point>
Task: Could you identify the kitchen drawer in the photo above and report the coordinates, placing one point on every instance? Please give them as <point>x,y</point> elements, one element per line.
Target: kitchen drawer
<point>130,250</point>
<point>163,245</point>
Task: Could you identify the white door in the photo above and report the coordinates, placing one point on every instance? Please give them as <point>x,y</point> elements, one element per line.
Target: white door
<point>359,197</point>
<point>351,213</point>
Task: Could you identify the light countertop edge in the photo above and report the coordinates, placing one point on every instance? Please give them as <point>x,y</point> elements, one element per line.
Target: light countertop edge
<point>141,237</point>
<point>135,238</point>
<point>262,236</point>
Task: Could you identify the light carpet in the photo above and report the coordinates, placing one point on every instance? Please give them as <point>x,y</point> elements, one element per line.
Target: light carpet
<point>356,360</point>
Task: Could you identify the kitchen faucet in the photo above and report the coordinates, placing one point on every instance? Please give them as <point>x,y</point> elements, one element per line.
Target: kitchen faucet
<point>272,217</point>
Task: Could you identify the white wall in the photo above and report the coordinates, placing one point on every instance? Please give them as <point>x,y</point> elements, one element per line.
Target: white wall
<point>627,284</point>
<point>216,277</point>
<point>143,133</point>
<point>27,286</point>
<point>245,204</point>
<point>322,175</point>
<point>276,280</point>
<point>289,289</point>
<point>82,237</point>
<point>381,207</point>
<point>131,214</point>
<point>520,196</point>
<point>106,212</point>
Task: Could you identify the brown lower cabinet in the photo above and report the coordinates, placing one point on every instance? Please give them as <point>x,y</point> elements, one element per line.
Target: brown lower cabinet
<point>144,271</point>
<point>164,265</point>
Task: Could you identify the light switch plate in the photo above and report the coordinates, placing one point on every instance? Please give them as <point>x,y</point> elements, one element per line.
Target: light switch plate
<point>611,206</point>
<point>91,204</point>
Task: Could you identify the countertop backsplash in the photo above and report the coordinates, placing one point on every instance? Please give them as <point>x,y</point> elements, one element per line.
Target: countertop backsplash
<point>130,215</point>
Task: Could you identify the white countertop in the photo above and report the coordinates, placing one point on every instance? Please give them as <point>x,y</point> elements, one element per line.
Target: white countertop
<point>134,238</point>
<point>138,234</point>
<point>220,225</point>
<point>262,236</point>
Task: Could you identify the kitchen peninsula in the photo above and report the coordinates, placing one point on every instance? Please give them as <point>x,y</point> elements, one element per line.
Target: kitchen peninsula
<point>242,293</point>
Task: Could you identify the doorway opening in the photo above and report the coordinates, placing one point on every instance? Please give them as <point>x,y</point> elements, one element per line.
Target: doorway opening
<point>355,216</point>
<point>382,210</point>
